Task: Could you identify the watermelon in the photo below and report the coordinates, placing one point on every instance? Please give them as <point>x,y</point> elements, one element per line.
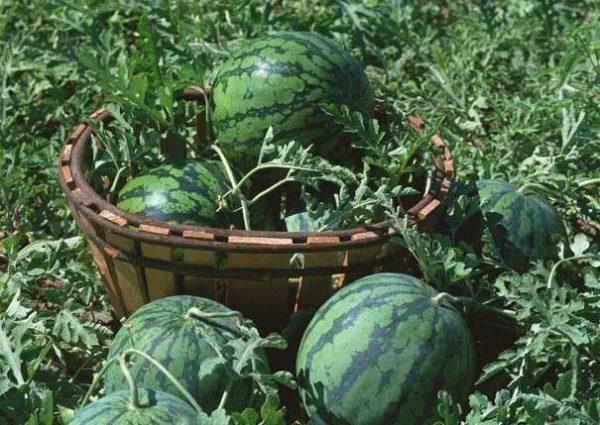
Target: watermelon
<point>524,227</point>
<point>280,81</point>
<point>155,407</point>
<point>379,350</point>
<point>186,193</point>
<point>166,331</point>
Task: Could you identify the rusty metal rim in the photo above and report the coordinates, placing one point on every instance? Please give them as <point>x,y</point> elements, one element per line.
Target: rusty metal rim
<point>108,216</point>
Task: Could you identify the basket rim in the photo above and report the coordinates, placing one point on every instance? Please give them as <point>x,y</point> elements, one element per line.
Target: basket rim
<point>102,213</point>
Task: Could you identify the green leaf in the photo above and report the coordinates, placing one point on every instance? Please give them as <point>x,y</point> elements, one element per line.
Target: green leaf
<point>65,414</point>
<point>580,244</point>
<point>46,415</point>
<point>270,412</point>
<point>248,416</point>
<point>212,372</point>
<point>12,358</point>
<point>70,329</point>
<point>216,417</point>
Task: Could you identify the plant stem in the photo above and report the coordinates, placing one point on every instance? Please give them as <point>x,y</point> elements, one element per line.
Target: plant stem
<point>168,374</point>
<point>268,190</point>
<point>526,186</point>
<point>95,381</point>
<point>203,316</point>
<point>267,167</point>
<point>554,268</point>
<point>588,182</point>
<point>196,312</point>
<point>238,369</point>
<point>245,212</point>
<point>134,400</point>
<point>437,299</point>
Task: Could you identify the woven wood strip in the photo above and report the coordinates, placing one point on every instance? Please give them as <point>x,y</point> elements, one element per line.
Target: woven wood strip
<point>252,296</point>
<point>154,229</point>
<point>160,283</point>
<point>129,277</point>
<point>76,133</point>
<point>314,290</point>
<point>194,234</point>
<point>113,218</point>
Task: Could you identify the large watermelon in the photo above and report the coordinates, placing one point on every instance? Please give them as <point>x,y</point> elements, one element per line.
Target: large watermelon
<point>155,407</point>
<point>165,331</point>
<point>186,193</point>
<point>378,352</point>
<point>280,81</point>
<point>524,227</point>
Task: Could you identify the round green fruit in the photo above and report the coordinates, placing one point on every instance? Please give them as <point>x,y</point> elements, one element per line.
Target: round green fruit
<point>380,350</point>
<point>154,407</point>
<point>280,81</point>
<point>186,193</point>
<point>169,331</point>
<point>524,227</point>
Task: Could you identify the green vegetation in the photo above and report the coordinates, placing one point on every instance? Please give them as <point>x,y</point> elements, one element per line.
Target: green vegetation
<point>513,86</point>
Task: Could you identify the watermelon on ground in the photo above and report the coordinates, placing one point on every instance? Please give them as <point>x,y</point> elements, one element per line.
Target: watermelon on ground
<point>186,193</point>
<point>166,331</point>
<point>155,407</point>
<point>524,227</point>
<point>380,350</point>
<point>280,81</point>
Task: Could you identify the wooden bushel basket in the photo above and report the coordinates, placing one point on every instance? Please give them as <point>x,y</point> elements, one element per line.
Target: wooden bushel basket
<point>141,259</point>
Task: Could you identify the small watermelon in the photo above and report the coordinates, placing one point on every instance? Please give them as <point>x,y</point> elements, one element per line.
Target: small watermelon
<point>280,81</point>
<point>166,331</point>
<point>379,351</point>
<point>185,193</point>
<point>155,407</point>
<point>524,227</point>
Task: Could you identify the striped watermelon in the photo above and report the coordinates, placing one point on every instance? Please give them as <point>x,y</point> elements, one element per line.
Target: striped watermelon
<point>280,81</point>
<point>156,407</point>
<point>165,331</point>
<point>378,352</point>
<point>185,193</point>
<point>524,228</point>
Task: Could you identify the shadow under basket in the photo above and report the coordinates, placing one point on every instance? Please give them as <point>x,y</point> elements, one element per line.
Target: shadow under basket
<point>142,259</point>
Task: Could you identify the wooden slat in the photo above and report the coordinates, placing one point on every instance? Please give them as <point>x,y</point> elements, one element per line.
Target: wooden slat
<point>361,256</point>
<point>65,155</point>
<point>129,277</point>
<point>195,285</point>
<point>420,205</point>
<point>97,113</point>
<point>200,286</point>
<point>111,288</point>
<point>437,141</point>
<point>76,133</point>
<point>195,234</point>
<point>155,230</point>
<point>428,209</point>
<point>444,189</point>
<point>113,218</point>
<point>67,176</point>
<point>449,168</point>
<point>314,290</point>
<point>252,240</point>
<point>252,297</point>
<point>160,283</point>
